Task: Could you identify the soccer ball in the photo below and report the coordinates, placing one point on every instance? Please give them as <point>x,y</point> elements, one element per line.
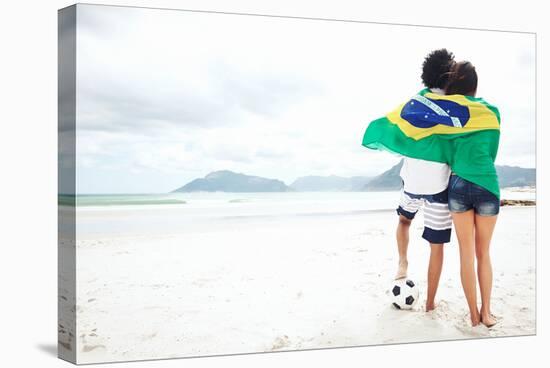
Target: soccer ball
<point>404,294</point>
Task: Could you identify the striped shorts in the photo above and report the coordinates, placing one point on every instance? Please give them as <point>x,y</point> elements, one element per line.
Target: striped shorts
<point>437,217</point>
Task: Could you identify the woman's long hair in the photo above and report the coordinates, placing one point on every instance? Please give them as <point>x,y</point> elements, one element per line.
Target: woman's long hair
<point>462,79</point>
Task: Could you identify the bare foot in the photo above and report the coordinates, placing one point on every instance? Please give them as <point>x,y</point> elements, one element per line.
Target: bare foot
<point>488,320</point>
<point>402,270</point>
<point>475,319</point>
<point>430,306</point>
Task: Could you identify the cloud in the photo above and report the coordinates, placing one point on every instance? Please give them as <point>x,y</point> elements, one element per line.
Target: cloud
<point>126,102</point>
<point>147,78</point>
<point>167,96</point>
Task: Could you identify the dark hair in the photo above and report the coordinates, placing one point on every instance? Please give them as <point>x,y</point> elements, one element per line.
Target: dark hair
<point>436,67</point>
<point>462,79</point>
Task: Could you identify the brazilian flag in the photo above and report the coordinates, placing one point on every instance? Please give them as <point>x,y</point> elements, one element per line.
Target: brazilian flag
<point>461,131</point>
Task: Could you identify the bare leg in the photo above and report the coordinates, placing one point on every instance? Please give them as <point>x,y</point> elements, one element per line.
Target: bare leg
<point>485,226</point>
<point>464,225</point>
<point>402,236</point>
<point>434,273</point>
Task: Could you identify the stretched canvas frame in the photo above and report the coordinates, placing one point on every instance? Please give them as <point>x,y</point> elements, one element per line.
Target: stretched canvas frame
<point>307,272</point>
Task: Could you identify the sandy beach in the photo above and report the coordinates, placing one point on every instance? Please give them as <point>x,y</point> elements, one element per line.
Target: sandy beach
<point>273,283</point>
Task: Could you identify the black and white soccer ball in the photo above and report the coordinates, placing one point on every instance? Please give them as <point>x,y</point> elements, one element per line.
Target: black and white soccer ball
<point>404,294</point>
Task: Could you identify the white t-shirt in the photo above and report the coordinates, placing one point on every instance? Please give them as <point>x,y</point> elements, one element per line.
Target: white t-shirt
<point>425,177</point>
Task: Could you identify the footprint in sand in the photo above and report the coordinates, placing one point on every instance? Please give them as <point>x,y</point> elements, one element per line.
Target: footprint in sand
<point>280,342</point>
<point>65,337</point>
<point>464,325</point>
<point>88,348</point>
<point>91,341</point>
<point>149,336</point>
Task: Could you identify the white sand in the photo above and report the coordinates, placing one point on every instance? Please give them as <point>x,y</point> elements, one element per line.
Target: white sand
<point>282,283</point>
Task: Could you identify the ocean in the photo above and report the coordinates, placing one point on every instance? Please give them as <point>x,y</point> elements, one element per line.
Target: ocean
<point>130,214</point>
<point>296,200</point>
<point>140,214</point>
<point>279,202</point>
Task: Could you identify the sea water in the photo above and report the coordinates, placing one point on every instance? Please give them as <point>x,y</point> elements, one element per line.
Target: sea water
<point>205,211</point>
<point>128,214</point>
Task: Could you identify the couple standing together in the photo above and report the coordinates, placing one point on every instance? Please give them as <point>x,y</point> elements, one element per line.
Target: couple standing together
<point>449,139</point>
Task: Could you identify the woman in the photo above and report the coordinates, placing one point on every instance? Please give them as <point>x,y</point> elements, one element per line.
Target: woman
<point>474,210</point>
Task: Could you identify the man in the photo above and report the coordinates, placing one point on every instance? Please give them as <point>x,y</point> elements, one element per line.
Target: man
<point>425,186</point>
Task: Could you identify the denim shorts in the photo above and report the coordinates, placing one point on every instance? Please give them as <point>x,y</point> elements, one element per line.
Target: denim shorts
<point>465,195</point>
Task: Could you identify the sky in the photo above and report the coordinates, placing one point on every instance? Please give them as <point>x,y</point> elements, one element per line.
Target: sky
<point>164,97</point>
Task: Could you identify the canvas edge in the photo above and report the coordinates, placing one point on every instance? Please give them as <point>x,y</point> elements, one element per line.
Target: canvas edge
<point>66,246</point>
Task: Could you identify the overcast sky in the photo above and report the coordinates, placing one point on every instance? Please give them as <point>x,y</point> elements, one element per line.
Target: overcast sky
<point>164,97</point>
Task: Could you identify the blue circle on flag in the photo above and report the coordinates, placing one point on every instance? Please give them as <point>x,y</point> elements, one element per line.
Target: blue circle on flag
<point>434,112</point>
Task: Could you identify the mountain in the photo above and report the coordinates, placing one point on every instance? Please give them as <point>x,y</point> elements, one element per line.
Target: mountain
<point>509,176</point>
<point>359,182</point>
<point>514,176</point>
<point>330,183</point>
<point>387,181</point>
<point>228,181</point>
